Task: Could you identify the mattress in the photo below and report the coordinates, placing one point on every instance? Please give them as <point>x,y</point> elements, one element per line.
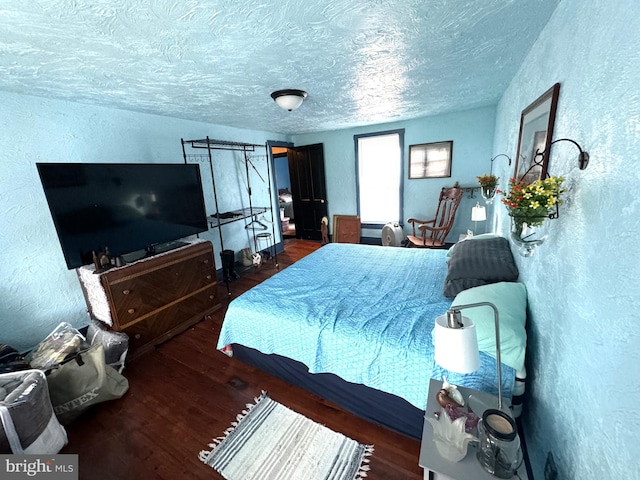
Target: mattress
<point>364,313</point>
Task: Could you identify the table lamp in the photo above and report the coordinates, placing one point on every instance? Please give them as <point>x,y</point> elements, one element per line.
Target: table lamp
<point>456,347</point>
<point>478,214</point>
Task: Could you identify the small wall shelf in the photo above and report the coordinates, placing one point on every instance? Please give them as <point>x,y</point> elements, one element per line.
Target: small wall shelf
<point>470,190</point>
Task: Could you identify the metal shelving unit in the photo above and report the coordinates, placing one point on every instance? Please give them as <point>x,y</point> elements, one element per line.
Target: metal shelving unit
<point>218,219</point>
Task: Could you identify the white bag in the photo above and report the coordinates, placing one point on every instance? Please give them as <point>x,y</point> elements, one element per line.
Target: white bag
<point>116,344</point>
<point>29,425</point>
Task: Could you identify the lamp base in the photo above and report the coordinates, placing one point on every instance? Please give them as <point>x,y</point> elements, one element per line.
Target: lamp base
<point>478,405</point>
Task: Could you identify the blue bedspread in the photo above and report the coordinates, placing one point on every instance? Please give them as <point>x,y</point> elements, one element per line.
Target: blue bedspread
<point>362,312</point>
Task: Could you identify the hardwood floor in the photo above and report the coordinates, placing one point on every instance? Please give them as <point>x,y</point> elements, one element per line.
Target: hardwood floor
<point>185,392</point>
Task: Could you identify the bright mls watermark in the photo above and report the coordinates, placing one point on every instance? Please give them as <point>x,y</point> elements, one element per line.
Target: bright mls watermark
<point>51,467</point>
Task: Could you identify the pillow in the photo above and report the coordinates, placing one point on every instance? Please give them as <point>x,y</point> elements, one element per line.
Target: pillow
<point>479,262</point>
<point>510,298</point>
<point>473,237</point>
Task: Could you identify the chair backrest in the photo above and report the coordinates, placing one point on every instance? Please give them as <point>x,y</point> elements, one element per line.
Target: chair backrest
<point>445,214</point>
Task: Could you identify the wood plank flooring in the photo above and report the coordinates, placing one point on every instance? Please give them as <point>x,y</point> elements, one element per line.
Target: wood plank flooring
<point>184,393</point>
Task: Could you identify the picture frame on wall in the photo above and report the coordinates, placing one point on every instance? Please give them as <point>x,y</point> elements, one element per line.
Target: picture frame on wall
<point>430,160</point>
<point>535,136</point>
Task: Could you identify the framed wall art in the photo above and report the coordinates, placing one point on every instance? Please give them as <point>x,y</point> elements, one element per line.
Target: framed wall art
<point>536,132</point>
<point>430,160</point>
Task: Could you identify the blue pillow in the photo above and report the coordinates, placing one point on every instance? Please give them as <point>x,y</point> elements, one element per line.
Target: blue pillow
<point>510,298</point>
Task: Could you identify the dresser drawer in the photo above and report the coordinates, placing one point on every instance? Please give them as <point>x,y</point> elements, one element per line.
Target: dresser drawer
<point>162,325</point>
<point>143,294</point>
<point>191,259</point>
<point>204,261</point>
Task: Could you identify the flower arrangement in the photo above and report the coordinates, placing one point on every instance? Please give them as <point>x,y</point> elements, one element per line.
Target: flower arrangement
<point>488,184</point>
<point>532,203</point>
<point>488,181</point>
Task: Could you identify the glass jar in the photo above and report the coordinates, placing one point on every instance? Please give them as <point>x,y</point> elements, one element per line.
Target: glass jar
<point>488,193</point>
<point>528,233</point>
<point>499,452</point>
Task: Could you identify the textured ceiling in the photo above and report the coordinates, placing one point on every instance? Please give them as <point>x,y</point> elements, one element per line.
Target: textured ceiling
<point>361,61</point>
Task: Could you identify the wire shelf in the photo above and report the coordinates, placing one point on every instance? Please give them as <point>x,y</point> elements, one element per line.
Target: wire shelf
<point>219,219</point>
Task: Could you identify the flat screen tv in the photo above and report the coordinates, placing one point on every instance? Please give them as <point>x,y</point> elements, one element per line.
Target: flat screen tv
<point>123,207</point>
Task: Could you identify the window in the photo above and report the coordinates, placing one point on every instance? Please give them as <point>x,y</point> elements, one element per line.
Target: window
<point>379,175</point>
<point>430,160</point>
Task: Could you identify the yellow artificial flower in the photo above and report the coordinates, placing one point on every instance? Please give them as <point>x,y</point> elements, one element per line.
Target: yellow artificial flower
<point>533,202</point>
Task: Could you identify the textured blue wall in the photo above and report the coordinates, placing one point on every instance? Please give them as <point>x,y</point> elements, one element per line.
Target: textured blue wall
<point>36,290</point>
<point>472,135</point>
<point>584,331</point>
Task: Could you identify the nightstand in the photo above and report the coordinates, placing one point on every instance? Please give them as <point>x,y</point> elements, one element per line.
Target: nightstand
<point>436,467</point>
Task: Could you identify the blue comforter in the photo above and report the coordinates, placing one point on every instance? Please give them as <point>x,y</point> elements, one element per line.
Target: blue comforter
<point>362,312</point>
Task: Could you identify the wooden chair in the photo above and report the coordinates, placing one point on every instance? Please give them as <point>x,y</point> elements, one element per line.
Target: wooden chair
<point>432,233</point>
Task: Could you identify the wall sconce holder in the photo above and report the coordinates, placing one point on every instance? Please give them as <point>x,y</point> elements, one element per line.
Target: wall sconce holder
<point>499,155</point>
<point>583,157</point>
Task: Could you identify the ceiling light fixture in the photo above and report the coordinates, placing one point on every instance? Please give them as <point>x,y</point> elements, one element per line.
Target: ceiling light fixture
<point>289,99</point>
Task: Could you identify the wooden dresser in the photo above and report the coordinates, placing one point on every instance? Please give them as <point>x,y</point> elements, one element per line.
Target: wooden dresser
<point>155,298</point>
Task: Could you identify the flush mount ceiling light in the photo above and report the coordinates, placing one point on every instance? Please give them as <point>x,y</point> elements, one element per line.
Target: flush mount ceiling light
<point>289,99</point>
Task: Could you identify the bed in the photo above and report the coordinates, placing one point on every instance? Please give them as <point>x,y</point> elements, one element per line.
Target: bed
<point>352,323</point>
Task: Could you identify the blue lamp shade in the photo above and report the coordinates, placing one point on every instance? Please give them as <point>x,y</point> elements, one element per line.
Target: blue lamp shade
<point>456,349</point>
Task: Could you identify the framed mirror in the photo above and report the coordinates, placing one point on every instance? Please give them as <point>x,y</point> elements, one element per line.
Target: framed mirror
<point>536,132</point>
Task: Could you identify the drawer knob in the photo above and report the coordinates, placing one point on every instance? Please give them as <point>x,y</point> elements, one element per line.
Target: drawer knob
<point>205,261</point>
<point>211,297</point>
<point>126,292</point>
<point>208,277</point>
<point>131,310</point>
<point>137,336</point>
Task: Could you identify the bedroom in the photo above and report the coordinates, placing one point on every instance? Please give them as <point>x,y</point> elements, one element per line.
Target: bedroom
<point>580,285</point>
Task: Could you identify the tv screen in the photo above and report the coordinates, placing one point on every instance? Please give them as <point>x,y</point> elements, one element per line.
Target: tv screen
<point>122,207</point>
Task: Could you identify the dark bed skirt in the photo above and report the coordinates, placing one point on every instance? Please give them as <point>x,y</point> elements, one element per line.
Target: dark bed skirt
<point>373,405</point>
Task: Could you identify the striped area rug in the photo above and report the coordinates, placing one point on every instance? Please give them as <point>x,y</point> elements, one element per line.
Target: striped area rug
<point>271,442</point>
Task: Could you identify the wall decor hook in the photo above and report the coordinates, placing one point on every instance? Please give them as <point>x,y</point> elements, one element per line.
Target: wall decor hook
<point>499,155</point>
<point>583,157</point>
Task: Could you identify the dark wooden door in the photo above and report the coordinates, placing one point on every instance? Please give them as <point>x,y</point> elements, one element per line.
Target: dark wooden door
<point>308,189</point>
